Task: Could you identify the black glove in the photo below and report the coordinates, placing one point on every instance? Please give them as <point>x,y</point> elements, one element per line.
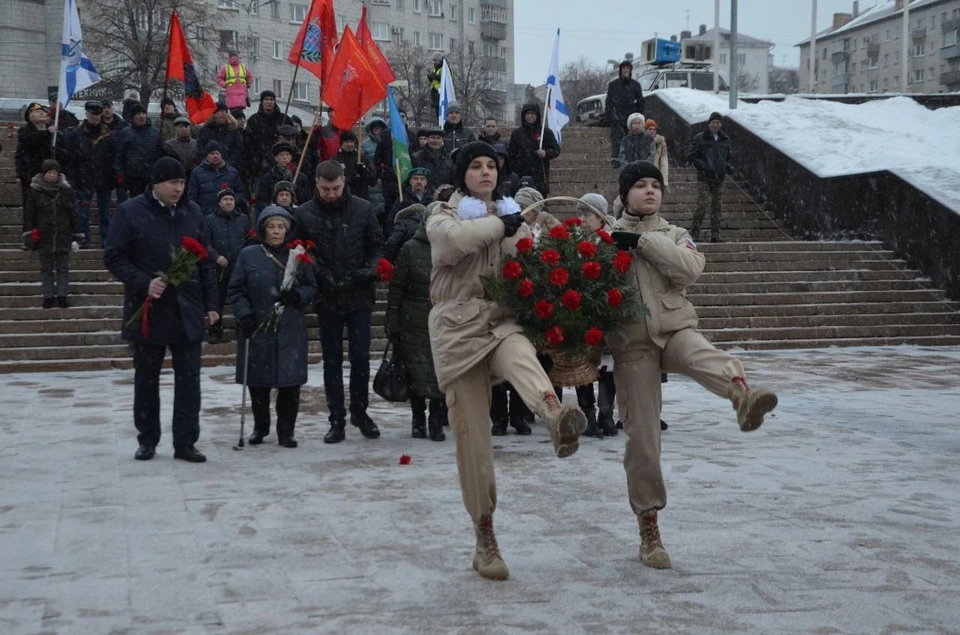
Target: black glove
<point>289,297</point>
<point>361,169</point>
<point>626,240</point>
<point>247,325</point>
<point>511,224</point>
<point>361,276</point>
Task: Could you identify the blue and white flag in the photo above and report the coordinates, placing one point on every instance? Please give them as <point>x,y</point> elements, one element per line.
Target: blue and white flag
<point>557,115</point>
<point>76,70</point>
<point>447,96</point>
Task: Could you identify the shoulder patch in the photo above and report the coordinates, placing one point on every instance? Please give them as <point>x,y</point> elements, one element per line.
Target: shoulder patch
<point>690,244</point>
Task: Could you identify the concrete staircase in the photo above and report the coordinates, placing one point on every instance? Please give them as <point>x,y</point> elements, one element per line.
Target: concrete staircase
<point>760,290</point>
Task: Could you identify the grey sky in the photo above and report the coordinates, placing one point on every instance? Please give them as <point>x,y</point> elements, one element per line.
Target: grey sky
<point>606,29</point>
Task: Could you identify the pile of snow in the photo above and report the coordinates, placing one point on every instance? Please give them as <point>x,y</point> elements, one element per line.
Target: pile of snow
<point>833,139</point>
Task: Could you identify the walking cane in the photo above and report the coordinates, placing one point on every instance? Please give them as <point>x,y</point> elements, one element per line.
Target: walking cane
<point>243,399</point>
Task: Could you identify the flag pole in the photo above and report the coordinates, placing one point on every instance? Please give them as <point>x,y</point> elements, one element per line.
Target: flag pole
<point>293,82</point>
<point>306,144</point>
<point>543,125</point>
<point>396,169</point>
<point>56,120</point>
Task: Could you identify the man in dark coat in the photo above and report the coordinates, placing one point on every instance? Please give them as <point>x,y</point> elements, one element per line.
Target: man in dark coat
<point>282,170</point>
<point>210,177</point>
<point>383,162</point>
<point>711,154</point>
<point>455,134</point>
<point>624,97</point>
<point>111,119</point>
<point>137,148</point>
<point>510,181</point>
<point>408,313</point>
<point>528,156</point>
<point>348,239</point>
<point>145,232</point>
<point>91,169</point>
<point>222,128</point>
<point>416,192</point>
<point>35,145</point>
<point>358,171</point>
<point>262,127</point>
<point>229,231</point>
<point>435,159</point>
<point>407,223</point>
<point>490,133</point>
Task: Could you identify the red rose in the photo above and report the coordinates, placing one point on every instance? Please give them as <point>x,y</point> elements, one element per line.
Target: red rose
<point>35,235</point>
<point>550,256</point>
<point>195,247</point>
<point>622,261</point>
<point>384,269</point>
<point>605,237</point>
<point>293,244</point>
<point>525,290</point>
<point>571,300</point>
<point>305,258</point>
<point>559,277</point>
<point>591,270</point>
<point>544,309</point>
<point>587,249</point>
<point>405,459</point>
<point>251,233</point>
<point>524,245</point>
<point>593,336</point>
<point>310,245</point>
<point>574,221</point>
<point>560,233</point>
<point>512,270</point>
<point>555,336</point>
<point>614,298</point>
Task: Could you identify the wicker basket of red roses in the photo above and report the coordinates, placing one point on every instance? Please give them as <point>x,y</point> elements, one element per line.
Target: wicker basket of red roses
<point>568,289</point>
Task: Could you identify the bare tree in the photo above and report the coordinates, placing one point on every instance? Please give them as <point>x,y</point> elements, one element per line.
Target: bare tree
<point>479,82</point>
<point>748,83</point>
<point>581,79</point>
<point>129,39</point>
<point>411,64</point>
<point>784,80</point>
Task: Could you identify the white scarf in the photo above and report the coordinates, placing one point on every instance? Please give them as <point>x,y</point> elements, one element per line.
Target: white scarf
<point>470,208</point>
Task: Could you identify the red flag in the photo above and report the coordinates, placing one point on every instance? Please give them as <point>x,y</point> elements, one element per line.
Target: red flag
<point>354,86</point>
<point>373,51</point>
<point>200,104</point>
<point>313,49</point>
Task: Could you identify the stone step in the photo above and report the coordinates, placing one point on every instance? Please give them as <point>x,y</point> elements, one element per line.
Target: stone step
<point>931,321</point>
<point>777,256</point>
<point>33,275</point>
<point>760,345</point>
<point>740,277</point>
<point>730,335</point>
<point>752,299</point>
<point>80,289</point>
<point>892,308</point>
<point>834,264</point>
<point>799,245</point>
<point>803,288</point>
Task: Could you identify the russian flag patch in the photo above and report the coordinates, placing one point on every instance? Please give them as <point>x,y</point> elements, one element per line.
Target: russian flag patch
<point>690,244</point>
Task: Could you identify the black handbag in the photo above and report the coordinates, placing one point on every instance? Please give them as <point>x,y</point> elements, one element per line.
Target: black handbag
<point>392,382</point>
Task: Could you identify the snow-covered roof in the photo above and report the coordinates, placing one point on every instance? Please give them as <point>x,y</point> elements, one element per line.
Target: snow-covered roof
<point>742,40</point>
<point>834,139</point>
<point>869,15</point>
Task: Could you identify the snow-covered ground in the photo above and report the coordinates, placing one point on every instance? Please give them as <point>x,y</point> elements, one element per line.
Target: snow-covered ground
<point>840,515</point>
<point>833,139</point>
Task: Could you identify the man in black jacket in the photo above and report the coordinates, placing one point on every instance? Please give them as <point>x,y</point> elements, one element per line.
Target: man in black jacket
<point>435,159</point>
<point>416,192</point>
<point>348,240</point>
<point>91,168</point>
<point>455,134</point>
<point>358,171</point>
<point>710,153</point>
<point>146,230</point>
<point>137,148</point>
<point>222,128</point>
<point>624,97</point>
<point>528,156</point>
<point>262,128</point>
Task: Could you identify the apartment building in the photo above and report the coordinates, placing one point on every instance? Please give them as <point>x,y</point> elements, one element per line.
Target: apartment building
<point>861,51</point>
<point>753,56</point>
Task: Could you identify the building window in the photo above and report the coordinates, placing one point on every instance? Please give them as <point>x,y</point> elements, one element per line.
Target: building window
<point>298,12</point>
<point>254,7</point>
<point>256,85</point>
<point>950,38</point>
<point>489,50</point>
<point>277,87</point>
<point>398,33</point>
<point>277,50</point>
<point>919,50</point>
<point>301,91</point>
<point>416,6</point>
<point>742,59</point>
<point>896,57</point>
<point>435,8</point>
<point>416,38</point>
<point>436,41</point>
<point>886,60</point>
<point>381,31</point>
<point>470,47</point>
<point>225,4</point>
<point>275,9</point>
<point>824,53</point>
<point>255,48</point>
<point>723,58</point>
<point>918,75</point>
<point>401,5</point>
<point>873,86</point>
<point>453,13</point>
<point>886,83</point>
<point>228,40</point>
<point>471,15</point>
<point>386,2</point>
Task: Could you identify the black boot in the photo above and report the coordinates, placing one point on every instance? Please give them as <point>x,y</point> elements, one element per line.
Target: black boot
<point>189,453</point>
<point>619,425</point>
<point>435,423</point>
<point>499,428</point>
<point>336,432</point>
<point>49,303</point>
<point>607,426</point>
<point>257,437</point>
<point>522,426</point>
<point>663,425</point>
<point>367,427</point>
<point>419,425</point>
<point>287,442</point>
<point>215,334</point>
<point>62,302</point>
<point>593,430</point>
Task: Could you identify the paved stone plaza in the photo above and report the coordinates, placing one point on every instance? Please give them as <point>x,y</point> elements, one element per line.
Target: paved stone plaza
<point>840,515</point>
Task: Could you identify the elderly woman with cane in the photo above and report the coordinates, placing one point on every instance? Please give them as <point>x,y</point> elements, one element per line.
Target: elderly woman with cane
<point>475,342</point>
<point>277,344</point>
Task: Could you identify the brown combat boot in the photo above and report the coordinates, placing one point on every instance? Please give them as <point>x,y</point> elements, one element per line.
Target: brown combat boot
<point>751,404</point>
<point>652,553</point>
<point>487,560</point>
<point>565,423</point>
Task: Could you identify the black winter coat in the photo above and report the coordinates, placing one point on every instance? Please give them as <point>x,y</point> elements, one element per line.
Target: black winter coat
<point>270,179</point>
<point>52,209</point>
<point>624,97</point>
<point>638,147</point>
<point>91,157</point>
<point>405,228</point>
<point>117,124</point>
<point>228,236</point>
<point>139,244</point>
<point>277,360</point>
<point>402,203</point>
<point>492,139</point>
<point>227,135</point>
<point>441,167</point>
<point>524,143</point>
<point>359,176</point>
<point>206,181</point>
<point>455,136</point>
<point>262,133</point>
<point>348,241</point>
<point>408,313</point>
<point>34,147</point>
<point>137,149</point>
<point>711,158</point>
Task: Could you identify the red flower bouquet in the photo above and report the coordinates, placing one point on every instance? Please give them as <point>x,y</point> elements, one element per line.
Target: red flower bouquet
<point>569,290</point>
<point>183,267</point>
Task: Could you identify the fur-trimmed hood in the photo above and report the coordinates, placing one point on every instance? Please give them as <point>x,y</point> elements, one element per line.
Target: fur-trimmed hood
<point>40,185</point>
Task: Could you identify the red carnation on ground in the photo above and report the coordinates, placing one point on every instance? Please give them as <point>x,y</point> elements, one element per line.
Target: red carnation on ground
<point>525,290</point>
<point>384,269</point>
<point>195,247</point>
<point>592,270</point>
<point>605,237</point>
<point>550,257</point>
<point>614,298</point>
<point>560,233</point>
<point>571,222</point>
<point>35,235</point>
<point>593,336</point>
<point>559,277</point>
<point>524,245</point>
<point>587,249</point>
<point>305,258</point>
<point>544,309</point>
<point>555,336</point>
<point>571,300</point>
<point>405,459</point>
<point>622,261</point>
<point>512,270</point>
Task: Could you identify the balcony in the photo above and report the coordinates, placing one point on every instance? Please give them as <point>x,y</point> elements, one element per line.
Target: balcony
<point>490,30</point>
<point>918,35</point>
<point>839,55</point>
<point>873,49</point>
<point>950,25</point>
<point>950,52</point>
<point>493,64</point>
<point>840,80</point>
<point>951,79</point>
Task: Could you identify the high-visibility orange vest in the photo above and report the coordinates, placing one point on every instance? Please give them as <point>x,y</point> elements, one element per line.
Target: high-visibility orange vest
<point>231,75</point>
